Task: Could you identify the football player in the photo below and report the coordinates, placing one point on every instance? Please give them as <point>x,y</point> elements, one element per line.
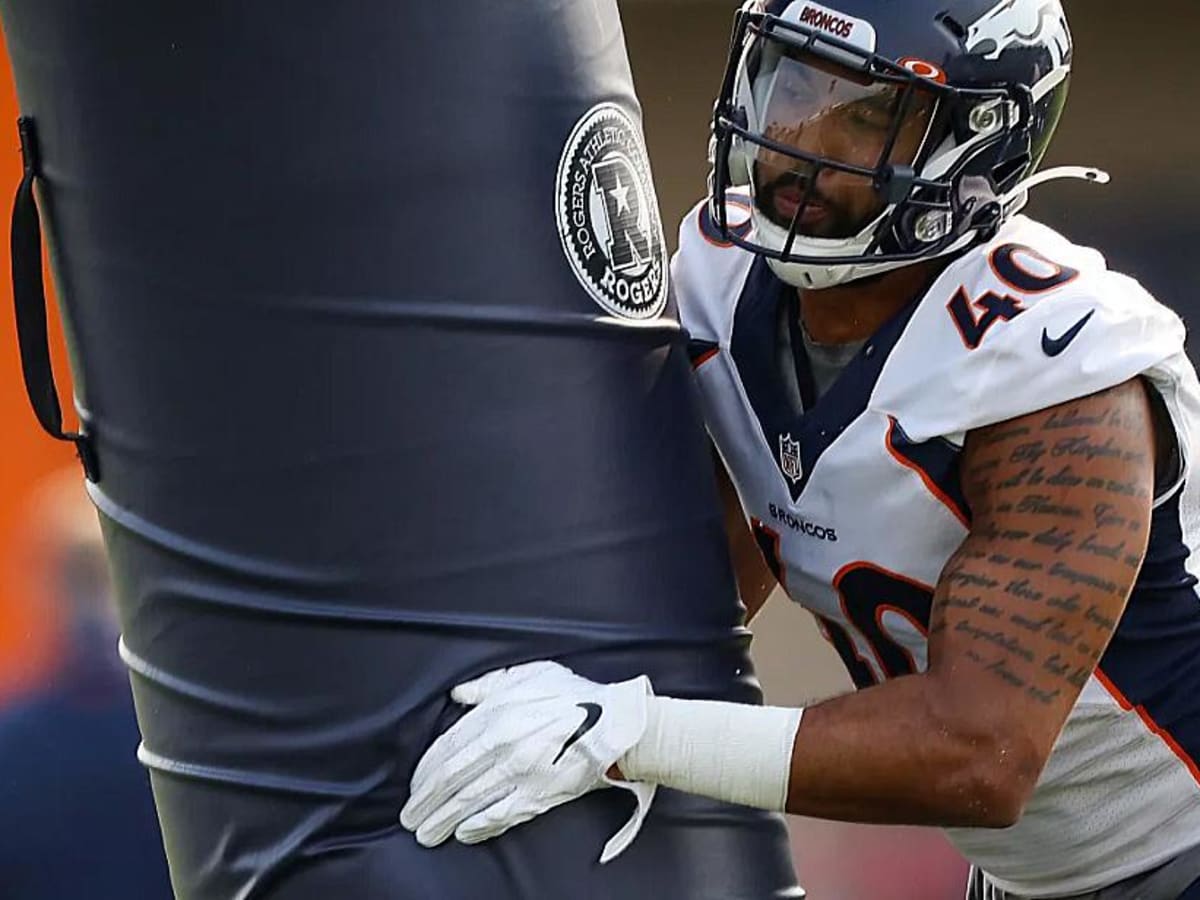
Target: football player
<point>957,438</point>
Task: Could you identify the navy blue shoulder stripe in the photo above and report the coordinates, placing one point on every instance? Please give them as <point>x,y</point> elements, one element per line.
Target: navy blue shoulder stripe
<point>1152,664</point>
<point>936,462</point>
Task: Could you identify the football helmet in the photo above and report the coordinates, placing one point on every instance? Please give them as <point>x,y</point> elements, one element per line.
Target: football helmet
<point>872,134</point>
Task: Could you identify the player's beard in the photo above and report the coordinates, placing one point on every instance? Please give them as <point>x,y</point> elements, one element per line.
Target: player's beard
<point>837,221</point>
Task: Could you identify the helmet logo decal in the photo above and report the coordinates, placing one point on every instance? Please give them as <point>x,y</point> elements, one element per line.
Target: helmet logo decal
<point>858,32</point>
<point>608,218</point>
<point>1020,23</point>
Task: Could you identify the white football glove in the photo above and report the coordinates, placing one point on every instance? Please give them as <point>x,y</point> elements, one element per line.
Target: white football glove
<point>539,736</point>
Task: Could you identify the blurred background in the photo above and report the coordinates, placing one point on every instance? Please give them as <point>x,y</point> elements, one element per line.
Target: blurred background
<point>65,715</point>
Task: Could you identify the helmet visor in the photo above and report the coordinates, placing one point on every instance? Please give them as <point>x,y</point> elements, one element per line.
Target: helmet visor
<point>828,134</point>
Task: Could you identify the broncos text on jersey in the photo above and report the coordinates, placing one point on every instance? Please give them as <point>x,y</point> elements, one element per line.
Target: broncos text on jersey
<point>855,502</point>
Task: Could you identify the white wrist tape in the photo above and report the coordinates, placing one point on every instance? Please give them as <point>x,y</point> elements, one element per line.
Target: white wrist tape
<point>728,751</point>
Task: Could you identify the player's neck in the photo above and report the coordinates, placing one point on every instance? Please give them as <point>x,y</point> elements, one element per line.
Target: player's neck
<point>855,311</point>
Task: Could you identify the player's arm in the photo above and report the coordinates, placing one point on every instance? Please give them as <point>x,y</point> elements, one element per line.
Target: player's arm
<point>1022,613</point>
<point>755,580</point>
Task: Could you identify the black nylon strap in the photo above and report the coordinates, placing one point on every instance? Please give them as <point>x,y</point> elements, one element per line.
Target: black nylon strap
<point>29,296</point>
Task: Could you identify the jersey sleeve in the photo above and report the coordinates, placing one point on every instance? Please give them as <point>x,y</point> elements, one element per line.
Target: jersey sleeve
<point>1027,322</point>
<point>707,275</point>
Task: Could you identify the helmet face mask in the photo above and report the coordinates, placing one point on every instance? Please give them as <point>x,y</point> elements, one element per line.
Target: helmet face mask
<point>841,128</point>
<point>857,163</point>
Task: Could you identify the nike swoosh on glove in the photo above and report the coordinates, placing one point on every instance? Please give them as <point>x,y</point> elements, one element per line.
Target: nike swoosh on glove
<point>539,736</point>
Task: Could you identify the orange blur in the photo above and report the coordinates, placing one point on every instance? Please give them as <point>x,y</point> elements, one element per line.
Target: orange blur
<point>27,627</point>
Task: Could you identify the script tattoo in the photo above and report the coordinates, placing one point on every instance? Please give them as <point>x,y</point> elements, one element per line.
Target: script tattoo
<point>1060,504</point>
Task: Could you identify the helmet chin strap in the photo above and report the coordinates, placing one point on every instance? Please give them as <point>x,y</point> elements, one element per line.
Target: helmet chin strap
<point>813,276</point>
<point>1083,173</point>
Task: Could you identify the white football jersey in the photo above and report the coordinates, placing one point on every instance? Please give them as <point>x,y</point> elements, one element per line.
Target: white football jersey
<point>855,501</point>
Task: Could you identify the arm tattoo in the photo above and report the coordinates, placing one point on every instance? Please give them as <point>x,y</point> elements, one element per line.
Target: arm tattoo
<point>1060,504</point>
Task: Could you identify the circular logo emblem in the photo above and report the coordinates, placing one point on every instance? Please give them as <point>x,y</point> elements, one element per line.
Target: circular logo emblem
<point>608,215</point>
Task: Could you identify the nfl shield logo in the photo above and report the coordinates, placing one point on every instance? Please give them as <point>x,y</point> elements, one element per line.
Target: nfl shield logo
<point>789,458</point>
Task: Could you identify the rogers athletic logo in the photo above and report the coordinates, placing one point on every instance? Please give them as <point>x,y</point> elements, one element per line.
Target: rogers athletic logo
<point>608,216</point>
<point>826,21</point>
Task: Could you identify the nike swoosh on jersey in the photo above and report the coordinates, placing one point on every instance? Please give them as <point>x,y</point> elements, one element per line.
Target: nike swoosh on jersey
<point>1054,346</point>
<point>591,716</point>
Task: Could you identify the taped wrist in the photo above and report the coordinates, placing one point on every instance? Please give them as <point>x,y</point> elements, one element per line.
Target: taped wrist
<point>728,751</point>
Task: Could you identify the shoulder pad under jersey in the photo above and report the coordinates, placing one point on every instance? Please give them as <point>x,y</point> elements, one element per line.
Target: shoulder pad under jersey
<point>708,274</point>
<point>1024,322</point>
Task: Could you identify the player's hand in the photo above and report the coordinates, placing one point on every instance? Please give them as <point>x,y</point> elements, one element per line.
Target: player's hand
<point>539,736</point>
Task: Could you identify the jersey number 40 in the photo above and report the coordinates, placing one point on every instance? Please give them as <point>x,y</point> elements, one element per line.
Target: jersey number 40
<point>1023,271</point>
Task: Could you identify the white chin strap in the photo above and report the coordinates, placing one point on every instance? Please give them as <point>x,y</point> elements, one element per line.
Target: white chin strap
<point>1019,195</point>
<point>812,276</point>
